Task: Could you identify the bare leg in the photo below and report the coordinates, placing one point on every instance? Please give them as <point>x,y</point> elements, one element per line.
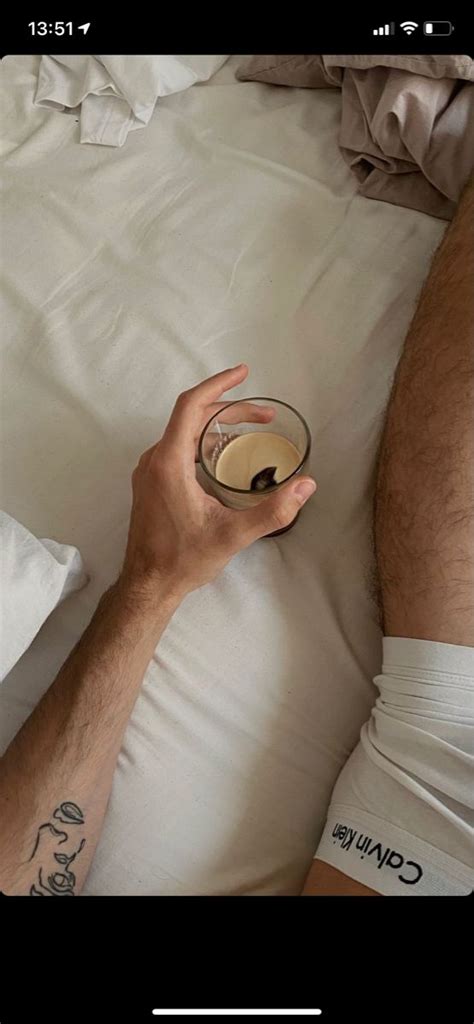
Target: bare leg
<point>424,512</point>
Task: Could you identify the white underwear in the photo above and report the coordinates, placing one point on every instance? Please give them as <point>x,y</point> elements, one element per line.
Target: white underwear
<point>401,818</point>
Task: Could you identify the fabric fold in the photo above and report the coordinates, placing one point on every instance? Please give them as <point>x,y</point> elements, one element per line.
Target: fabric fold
<point>407,124</point>
<point>36,575</point>
<point>117,94</point>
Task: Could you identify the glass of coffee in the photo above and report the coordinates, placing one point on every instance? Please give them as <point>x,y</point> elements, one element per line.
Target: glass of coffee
<point>246,460</point>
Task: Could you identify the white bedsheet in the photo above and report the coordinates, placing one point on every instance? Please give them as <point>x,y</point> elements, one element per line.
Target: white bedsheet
<point>229,230</point>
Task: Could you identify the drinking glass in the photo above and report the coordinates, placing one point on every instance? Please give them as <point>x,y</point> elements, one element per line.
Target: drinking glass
<point>237,419</point>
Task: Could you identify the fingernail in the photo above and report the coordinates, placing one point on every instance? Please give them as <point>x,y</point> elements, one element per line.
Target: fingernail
<point>304,490</point>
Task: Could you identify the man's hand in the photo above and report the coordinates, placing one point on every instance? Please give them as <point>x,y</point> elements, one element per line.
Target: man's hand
<point>56,775</point>
<point>180,537</point>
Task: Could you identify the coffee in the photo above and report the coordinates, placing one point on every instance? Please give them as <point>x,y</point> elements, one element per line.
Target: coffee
<point>257,460</point>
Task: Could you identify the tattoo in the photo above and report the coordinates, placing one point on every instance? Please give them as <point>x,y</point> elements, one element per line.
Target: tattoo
<point>52,882</point>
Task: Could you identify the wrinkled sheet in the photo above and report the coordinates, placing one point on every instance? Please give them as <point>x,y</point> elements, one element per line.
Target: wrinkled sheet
<point>229,230</point>
<point>407,122</point>
<point>114,95</point>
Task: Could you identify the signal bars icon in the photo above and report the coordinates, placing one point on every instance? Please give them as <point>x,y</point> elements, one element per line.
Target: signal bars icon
<point>385,30</point>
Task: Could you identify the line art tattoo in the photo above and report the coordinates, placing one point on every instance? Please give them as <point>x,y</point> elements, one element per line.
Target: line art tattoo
<point>51,880</point>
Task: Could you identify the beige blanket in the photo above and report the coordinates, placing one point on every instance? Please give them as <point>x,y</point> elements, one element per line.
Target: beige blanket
<point>407,127</point>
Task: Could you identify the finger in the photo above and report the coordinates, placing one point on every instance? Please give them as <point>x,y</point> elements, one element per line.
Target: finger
<point>190,406</point>
<point>275,512</point>
<point>239,412</point>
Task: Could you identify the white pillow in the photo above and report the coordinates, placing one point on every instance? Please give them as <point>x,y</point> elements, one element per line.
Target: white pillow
<point>35,576</point>
<point>117,94</point>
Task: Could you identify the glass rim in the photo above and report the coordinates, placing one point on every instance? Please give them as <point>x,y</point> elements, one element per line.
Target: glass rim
<point>245,490</point>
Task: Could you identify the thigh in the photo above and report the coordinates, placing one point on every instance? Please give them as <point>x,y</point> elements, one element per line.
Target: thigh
<point>424,514</point>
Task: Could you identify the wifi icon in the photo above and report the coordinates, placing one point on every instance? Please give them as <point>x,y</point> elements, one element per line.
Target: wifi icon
<point>409,27</point>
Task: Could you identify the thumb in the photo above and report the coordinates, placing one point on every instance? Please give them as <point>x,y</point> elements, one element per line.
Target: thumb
<point>276,511</point>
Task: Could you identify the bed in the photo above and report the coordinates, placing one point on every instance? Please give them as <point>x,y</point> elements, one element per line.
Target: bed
<point>228,230</point>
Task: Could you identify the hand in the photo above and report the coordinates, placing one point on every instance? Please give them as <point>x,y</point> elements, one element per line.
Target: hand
<point>180,537</point>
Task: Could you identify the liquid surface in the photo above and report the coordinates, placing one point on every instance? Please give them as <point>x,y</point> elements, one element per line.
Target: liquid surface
<point>250,453</point>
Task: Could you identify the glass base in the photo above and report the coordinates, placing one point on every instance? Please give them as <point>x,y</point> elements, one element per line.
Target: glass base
<point>276,533</point>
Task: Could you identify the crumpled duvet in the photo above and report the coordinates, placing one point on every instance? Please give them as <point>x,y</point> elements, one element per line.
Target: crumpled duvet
<point>409,139</point>
<point>407,127</point>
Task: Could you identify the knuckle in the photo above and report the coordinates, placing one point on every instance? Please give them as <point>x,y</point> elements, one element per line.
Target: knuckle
<point>144,459</point>
<point>280,517</point>
<point>163,468</point>
<point>184,400</point>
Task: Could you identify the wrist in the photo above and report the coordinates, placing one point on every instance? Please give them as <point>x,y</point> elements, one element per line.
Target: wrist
<point>148,598</point>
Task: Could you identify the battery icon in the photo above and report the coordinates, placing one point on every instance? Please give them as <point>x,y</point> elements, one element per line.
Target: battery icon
<point>438,28</point>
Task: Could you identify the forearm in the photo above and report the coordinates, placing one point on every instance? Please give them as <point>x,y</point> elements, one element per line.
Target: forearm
<point>425,493</point>
<point>65,754</point>
<point>55,777</point>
